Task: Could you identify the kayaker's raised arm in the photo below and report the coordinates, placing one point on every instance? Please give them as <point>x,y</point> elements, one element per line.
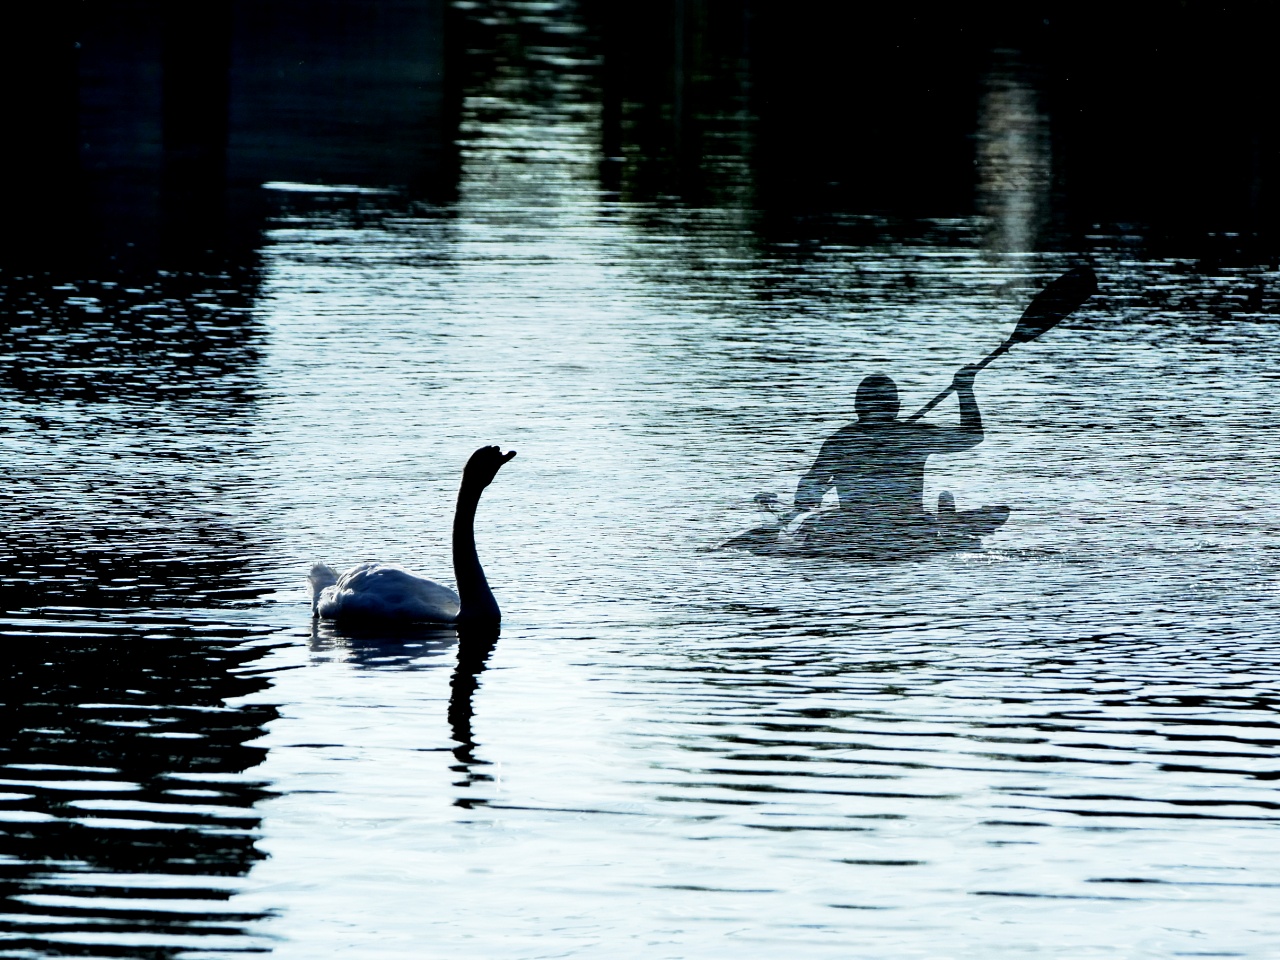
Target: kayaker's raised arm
<point>970,416</point>
<point>942,439</point>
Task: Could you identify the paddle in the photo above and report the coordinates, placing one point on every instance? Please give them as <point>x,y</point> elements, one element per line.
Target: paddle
<point>1055,303</point>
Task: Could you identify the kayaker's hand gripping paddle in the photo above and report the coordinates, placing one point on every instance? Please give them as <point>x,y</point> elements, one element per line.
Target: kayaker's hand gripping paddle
<point>1055,303</point>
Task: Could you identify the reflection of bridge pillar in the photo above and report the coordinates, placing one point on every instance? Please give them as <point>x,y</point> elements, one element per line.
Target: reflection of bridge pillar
<point>1013,159</point>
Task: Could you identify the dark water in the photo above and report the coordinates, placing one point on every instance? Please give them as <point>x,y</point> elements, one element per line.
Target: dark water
<point>594,247</point>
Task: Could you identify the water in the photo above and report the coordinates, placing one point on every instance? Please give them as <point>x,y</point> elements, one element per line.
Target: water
<point>1063,745</point>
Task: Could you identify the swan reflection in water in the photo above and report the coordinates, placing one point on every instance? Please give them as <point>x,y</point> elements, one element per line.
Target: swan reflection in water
<point>421,647</point>
<point>406,647</point>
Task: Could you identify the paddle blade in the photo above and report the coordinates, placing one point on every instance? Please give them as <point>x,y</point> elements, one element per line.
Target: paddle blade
<point>1056,302</point>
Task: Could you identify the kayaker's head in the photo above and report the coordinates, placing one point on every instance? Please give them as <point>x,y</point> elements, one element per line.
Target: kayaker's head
<point>877,399</point>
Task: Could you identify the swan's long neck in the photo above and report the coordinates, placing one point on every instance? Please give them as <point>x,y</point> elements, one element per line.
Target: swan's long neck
<point>477,605</point>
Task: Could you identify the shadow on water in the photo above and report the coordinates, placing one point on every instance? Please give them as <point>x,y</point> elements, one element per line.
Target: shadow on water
<point>128,798</point>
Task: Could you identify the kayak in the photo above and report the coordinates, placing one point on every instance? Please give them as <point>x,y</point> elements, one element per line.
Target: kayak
<point>832,532</point>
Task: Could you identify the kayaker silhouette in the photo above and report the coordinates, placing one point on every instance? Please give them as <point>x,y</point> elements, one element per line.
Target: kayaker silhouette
<point>876,466</point>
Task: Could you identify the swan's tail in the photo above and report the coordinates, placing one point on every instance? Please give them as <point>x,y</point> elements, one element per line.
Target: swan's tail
<point>320,576</point>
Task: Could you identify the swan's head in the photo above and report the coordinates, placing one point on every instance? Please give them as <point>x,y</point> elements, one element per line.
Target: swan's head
<point>483,467</point>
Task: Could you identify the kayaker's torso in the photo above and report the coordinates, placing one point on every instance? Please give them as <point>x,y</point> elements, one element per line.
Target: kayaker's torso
<point>878,469</point>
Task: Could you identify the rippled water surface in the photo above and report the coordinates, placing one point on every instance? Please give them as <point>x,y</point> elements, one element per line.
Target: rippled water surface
<point>1063,745</point>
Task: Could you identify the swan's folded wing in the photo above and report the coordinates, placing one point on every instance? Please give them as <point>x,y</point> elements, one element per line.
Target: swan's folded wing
<point>382,592</point>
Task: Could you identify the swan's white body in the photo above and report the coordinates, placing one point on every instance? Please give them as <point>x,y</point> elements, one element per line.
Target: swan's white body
<point>380,591</point>
<point>385,593</point>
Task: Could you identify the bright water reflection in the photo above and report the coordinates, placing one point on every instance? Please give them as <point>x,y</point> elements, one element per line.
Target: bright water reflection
<point>694,752</point>
<point>1062,745</point>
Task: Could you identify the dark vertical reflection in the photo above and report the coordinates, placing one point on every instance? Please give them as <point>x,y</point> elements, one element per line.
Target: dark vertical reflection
<point>1157,119</point>
<point>1161,115</point>
<point>141,131</point>
<point>442,186</point>
<point>677,122</point>
<point>138,127</point>
<point>612,77</point>
<point>473,656</point>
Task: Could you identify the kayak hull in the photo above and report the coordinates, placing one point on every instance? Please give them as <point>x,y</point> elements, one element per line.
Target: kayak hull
<point>833,533</point>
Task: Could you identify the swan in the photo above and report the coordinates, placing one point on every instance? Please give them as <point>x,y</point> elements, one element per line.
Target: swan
<point>385,593</point>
